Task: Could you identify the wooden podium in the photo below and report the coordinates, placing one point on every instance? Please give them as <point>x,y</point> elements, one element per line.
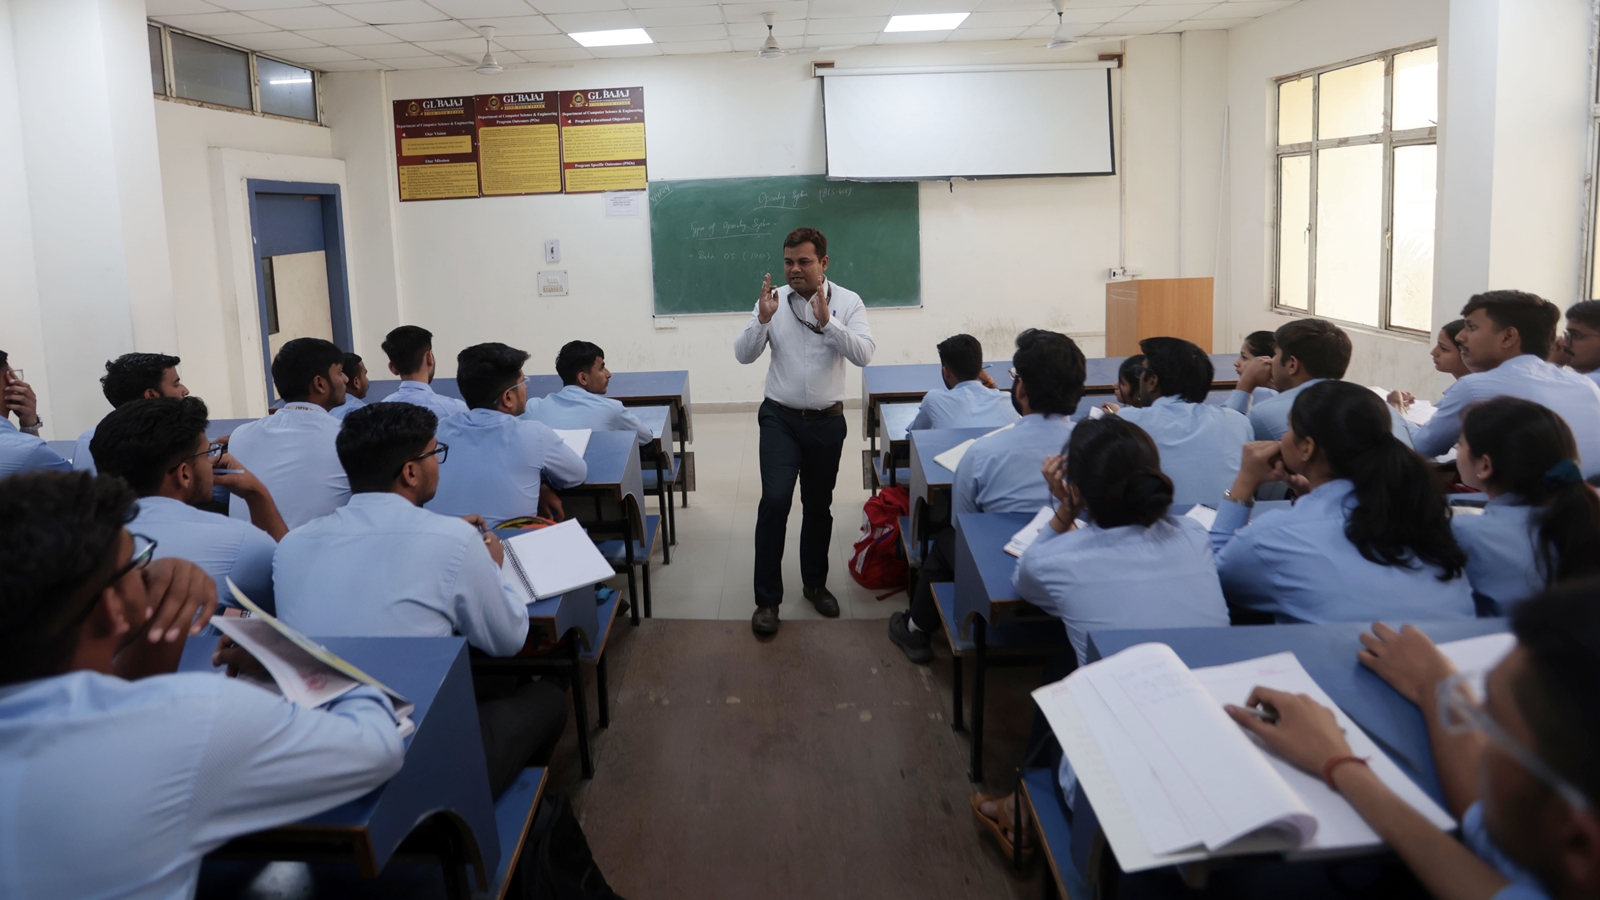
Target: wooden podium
<point>1157,307</point>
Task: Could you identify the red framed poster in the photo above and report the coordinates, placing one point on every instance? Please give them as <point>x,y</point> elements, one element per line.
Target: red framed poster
<point>602,140</point>
<point>436,148</point>
<point>519,143</point>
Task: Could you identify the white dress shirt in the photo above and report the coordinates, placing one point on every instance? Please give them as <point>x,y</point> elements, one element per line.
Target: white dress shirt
<point>495,465</point>
<point>422,394</point>
<point>573,408</point>
<point>82,459</point>
<point>383,567</point>
<point>807,369</point>
<point>1503,559</point>
<point>22,452</point>
<point>1571,396</point>
<point>1004,471</point>
<point>224,547</point>
<point>967,405</point>
<point>1200,445</point>
<point>292,452</point>
<point>116,789</point>
<point>351,404</point>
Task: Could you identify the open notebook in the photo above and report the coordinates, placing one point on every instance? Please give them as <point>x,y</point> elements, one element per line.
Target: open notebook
<point>952,457</point>
<point>576,438</point>
<point>551,561</point>
<point>303,671</point>
<point>1173,779</point>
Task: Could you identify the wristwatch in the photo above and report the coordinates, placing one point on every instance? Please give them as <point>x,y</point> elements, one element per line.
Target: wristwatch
<point>1242,501</point>
<point>34,428</point>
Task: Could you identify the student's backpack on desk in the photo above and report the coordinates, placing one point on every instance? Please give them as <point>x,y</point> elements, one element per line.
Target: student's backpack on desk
<point>879,561</point>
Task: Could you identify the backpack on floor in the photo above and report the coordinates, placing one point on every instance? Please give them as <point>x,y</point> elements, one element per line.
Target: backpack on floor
<point>556,863</point>
<point>879,561</point>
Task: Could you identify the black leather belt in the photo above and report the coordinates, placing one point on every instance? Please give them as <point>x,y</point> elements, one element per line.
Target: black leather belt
<point>837,409</point>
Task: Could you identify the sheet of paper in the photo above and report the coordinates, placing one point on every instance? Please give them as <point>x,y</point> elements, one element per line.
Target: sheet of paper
<point>1203,514</point>
<point>1339,826</point>
<point>298,677</point>
<point>557,559</point>
<point>1419,413</point>
<point>1476,656</point>
<point>576,438</point>
<point>952,457</point>
<point>1024,539</point>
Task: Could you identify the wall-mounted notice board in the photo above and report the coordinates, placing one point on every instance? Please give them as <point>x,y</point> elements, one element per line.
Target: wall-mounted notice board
<point>436,148</point>
<point>602,139</point>
<point>712,241</point>
<point>519,144</point>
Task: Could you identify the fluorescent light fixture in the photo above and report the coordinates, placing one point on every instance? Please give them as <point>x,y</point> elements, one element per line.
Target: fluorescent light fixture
<point>616,38</point>
<point>928,22</point>
<point>305,80</point>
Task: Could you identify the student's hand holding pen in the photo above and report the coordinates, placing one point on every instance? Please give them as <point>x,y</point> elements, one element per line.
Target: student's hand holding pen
<point>490,542</point>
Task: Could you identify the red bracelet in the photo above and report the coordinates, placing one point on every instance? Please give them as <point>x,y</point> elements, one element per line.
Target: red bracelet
<point>1336,762</point>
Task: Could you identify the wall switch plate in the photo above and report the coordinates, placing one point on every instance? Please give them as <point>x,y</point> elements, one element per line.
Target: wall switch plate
<point>664,323</point>
<point>553,284</point>
<point>552,251</point>
<point>1127,271</point>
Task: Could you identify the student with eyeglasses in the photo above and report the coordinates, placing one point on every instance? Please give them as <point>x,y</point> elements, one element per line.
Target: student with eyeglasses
<point>159,447</point>
<point>1520,766</point>
<point>118,775</point>
<point>382,566</point>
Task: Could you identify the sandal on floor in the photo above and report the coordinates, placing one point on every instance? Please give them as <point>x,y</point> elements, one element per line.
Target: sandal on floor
<point>1001,831</point>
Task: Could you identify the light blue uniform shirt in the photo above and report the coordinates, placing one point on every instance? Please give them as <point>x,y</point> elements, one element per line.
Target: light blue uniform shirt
<point>1502,556</point>
<point>116,789</point>
<point>1200,445</point>
<point>572,408</point>
<point>224,547</point>
<point>1297,564</point>
<point>1270,417</point>
<point>1571,396</point>
<point>1004,472</point>
<point>1163,576</point>
<point>382,567</point>
<point>83,460</point>
<point>292,452</point>
<point>22,452</point>
<point>1523,886</point>
<point>967,405</point>
<point>496,463</point>
<point>1593,376</point>
<point>351,404</point>
<point>422,394</point>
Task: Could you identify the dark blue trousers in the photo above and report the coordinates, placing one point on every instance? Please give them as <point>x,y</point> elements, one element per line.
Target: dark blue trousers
<point>795,447</point>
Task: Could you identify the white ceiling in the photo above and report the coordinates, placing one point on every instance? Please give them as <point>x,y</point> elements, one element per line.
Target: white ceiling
<point>346,35</point>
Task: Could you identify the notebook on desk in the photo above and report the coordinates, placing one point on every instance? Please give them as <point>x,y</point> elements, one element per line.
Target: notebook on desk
<point>952,457</point>
<point>576,438</point>
<point>1121,722</point>
<point>551,561</point>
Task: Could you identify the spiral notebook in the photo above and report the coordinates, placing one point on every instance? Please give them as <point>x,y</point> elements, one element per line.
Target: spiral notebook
<point>551,561</point>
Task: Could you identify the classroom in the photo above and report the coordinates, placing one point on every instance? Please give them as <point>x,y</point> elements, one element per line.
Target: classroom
<point>1154,444</point>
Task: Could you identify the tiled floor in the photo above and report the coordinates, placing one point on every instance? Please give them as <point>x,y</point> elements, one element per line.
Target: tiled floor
<point>712,564</point>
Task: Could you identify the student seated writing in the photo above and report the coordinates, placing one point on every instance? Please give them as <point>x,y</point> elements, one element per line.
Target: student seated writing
<point>501,460</point>
<point>355,391</point>
<point>1519,766</point>
<point>159,447</point>
<point>117,788</point>
<point>1200,444</point>
<point>1582,340</point>
<point>292,450</point>
<point>1258,345</point>
<point>1308,352</point>
<point>410,352</point>
<point>1541,525</point>
<point>21,448</point>
<point>969,398</point>
<point>582,402</point>
<point>1370,540</point>
<point>1506,339</point>
<point>130,377</point>
<point>1001,471</point>
<point>382,566</point>
<point>1131,564</point>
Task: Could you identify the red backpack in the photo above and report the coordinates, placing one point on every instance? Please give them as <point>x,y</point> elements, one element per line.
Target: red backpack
<point>879,561</point>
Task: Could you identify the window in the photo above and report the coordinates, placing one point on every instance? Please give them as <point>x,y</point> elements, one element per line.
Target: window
<point>209,73</point>
<point>1356,185</point>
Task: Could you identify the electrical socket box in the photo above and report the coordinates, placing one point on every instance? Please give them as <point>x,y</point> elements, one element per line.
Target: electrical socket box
<point>664,323</point>
<point>1127,271</point>
<point>553,284</point>
<point>552,251</point>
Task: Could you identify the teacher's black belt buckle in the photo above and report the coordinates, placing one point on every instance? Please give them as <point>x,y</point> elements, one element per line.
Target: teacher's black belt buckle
<point>837,409</point>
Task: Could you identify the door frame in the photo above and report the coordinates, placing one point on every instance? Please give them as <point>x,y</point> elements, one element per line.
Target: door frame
<point>332,199</point>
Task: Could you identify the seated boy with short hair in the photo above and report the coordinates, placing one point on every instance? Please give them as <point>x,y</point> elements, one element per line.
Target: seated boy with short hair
<point>355,391</point>
<point>410,352</point>
<point>130,377</point>
<point>969,398</point>
<point>582,402</point>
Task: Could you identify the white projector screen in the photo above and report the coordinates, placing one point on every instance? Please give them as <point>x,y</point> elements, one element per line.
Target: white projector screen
<point>968,124</point>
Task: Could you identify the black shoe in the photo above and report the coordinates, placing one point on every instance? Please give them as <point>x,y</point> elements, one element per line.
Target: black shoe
<point>824,600</point>
<point>916,644</point>
<point>765,621</point>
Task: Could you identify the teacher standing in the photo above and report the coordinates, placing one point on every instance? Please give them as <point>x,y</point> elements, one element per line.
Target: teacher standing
<point>813,326</point>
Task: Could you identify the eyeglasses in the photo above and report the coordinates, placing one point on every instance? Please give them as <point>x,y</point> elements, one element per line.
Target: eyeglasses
<point>144,550</point>
<point>1012,372</point>
<point>1460,714</point>
<point>441,449</point>
<point>213,452</point>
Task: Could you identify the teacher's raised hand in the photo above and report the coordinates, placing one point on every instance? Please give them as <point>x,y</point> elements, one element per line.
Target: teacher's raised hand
<point>819,306</point>
<point>768,302</point>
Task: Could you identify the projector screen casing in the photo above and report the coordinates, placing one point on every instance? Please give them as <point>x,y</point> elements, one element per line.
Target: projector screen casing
<point>933,125</point>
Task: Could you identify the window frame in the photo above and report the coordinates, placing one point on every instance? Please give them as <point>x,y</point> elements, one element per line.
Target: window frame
<point>171,94</point>
<point>1312,149</point>
<point>1591,216</point>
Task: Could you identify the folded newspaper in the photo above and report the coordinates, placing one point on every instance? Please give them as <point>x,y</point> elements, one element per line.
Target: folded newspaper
<point>304,672</point>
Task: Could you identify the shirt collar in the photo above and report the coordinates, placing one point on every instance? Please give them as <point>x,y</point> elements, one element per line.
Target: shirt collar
<point>1331,494</point>
<point>379,499</point>
<point>972,384</point>
<point>1041,418</point>
<point>156,501</point>
<point>413,386</point>
<point>303,406</point>
<point>1506,499</point>
<point>482,416</point>
<point>575,390</point>
<point>1169,402</point>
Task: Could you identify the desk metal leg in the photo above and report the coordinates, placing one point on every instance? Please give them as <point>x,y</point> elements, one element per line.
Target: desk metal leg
<point>601,696</point>
<point>683,444</point>
<point>646,575</point>
<point>955,696</point>
<point>633,585</point>
<point>580,709</point>
<point>666,518</point>
<point>980,642</point>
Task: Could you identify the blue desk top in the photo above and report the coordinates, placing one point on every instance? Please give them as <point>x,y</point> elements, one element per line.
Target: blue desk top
<point>221,428</point>
<point>614,473</point>
<point>1328,653</point>
<point>925,445</point>
<point>657,419</point>
<point>894,420</point>
<point>444,766</point>
<point>381,389</point>
<point>983,567</point>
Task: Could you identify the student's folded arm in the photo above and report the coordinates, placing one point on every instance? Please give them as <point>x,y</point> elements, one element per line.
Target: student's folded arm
<point>632,423</point>
<point>47,460</point>
<point>851,336</point>
<point>269,762</point>
<point>488,611</point>
<point>748,345</point>
<point>563,467</point>
<point>1240,567</point>
<point>1028,577</point>
<point>1239,401</point>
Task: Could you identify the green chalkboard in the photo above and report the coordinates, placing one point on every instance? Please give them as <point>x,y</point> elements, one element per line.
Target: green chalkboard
<point>712,241</point>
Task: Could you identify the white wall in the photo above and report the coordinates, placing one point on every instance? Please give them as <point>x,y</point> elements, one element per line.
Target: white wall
<point>998,256</point>
<point>19,291</point>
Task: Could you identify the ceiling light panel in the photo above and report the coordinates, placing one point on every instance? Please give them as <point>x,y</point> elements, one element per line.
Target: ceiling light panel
<point>926,22</point>
<point>618,37</point>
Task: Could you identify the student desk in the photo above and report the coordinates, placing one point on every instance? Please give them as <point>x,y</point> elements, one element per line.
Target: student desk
<point>669,388</point>
<point>658,454</point>
<point>616,488</point>
<point>894,422</point>
<point>907,384</point>
<point>64,449</point>
<point>931,482</point>
<point>217,429</point>
<point>444,783</point>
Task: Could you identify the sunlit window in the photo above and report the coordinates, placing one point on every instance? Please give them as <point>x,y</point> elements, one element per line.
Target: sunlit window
<point>210,73</point>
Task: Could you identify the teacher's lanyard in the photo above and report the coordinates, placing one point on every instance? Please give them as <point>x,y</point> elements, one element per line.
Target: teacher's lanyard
<point>827,297</point>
